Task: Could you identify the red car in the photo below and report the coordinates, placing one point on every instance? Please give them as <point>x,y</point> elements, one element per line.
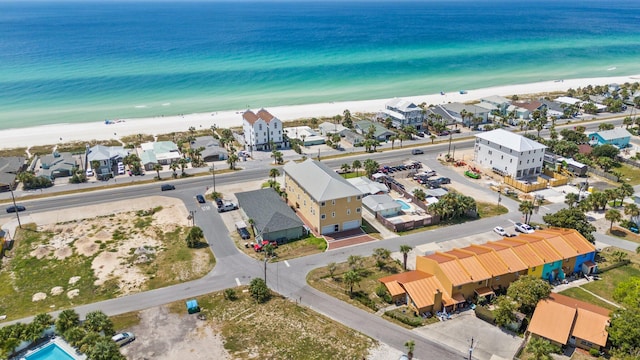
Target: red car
<point>258,247</point>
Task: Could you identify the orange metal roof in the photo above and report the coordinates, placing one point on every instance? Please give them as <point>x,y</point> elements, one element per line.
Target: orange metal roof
<point>544,250</point>
<point>591,326</point>
<point>454,271</point>
<point>394,288</point>
<point>524,252</point>
<point>440,257</point>
<point>557,241</point>
<point>423,291</point>
<point>513,262</point>
<point>575,239</point>
<point>477,249</point>
<point>459,253</point>
<point>265,115</point>
<point>474,268</point>
<point>494,264</point>
<point>406,276</point>
<point>575,303</point>
<point>495,245</point>
<point>552,320</point>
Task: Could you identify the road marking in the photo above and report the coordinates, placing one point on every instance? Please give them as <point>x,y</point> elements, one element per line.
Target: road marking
<point>238,282</point>
<point>544,207</point>
<point>287,263</point>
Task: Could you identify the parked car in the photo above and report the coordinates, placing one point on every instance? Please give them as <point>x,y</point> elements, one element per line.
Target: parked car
<point>500,231</point>
<point>244,233</point>
<point>219,202</point>
<point>417,151</point>
<point>227,206</point>
<point>89,173</point>
<point>167,187</point>
<point>123,338</point>
<point>201,199</point>
<point>16,208</point>
<point>120,168</point>
<point>524,228</point>
<point>444,133</point>
<point>420,134</point>
<point>443,180</point>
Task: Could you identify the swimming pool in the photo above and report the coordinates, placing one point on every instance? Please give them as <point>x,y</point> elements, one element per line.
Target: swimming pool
<point>403,205</point>
<point>50,352</point>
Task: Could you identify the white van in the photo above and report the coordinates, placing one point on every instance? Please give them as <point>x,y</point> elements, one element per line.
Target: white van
<point>123,338</point>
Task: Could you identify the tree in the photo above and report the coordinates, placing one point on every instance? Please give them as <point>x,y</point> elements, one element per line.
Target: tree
<point>612,215</point>
<point>527,291</point>
<point>571,199</point>
<point>405,249</point>
<point>74,335</point>
<point>259,290</point>
<point>393,139</point>
<point>433,138</point>
<point>157,167</point>
<point>194,237</point>
<point>97,321</point>
<point>541,348</point>
<point>104,349</point>
<point>605,150</point>
<point>230,294</point>
<point>631,210</point>
<point>350,279</point>
<point>273,173</point>
<point>345,168</point>
<point>232,160</point>
<point>370,167</point>
<point>355,262</point>
<point>624,331</point>
<point>410,345</point>
<point>573,218</point>
<point>526,208</point>
<point>505,311</point>
<point>347,121</point>
<point>67,319</point>
<point>356,165</point>
<point>381,255</point>
<point>331,268</point>
<point>419,194</point>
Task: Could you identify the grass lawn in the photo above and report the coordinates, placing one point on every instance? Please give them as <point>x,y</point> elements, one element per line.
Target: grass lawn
<point>322,280</point>
<point>580,294</point>
<point>14,152</point>
<point>630,174</point>
<point>294,249</point>
<point>610,279</point>
<point>278,329</point>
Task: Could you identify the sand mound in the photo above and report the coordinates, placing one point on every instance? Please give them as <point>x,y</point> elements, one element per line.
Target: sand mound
<point>63,252</point>
<point>57,291</point>
<point>73,293</point>
<point>38,296</point>
<point>74,279</point>
<point>41,251</point>
<point>86,246</point>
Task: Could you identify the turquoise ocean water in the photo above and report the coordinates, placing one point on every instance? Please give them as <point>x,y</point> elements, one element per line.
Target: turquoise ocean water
<point>82,61</point>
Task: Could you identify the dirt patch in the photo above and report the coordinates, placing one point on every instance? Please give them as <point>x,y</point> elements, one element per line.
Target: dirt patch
<point>178,337</point>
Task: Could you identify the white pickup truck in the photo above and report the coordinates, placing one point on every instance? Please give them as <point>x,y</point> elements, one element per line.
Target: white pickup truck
<point>227,206</point>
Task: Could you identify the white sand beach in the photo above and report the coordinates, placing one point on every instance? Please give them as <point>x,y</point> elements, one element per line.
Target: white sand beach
<point>64,133</point>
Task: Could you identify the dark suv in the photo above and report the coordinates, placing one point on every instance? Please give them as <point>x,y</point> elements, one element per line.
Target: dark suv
<point>244,233</point>
<point>167,187</point>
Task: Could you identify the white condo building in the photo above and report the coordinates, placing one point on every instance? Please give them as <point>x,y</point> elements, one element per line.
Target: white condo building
<point>509,153</point>
<point>261,129</point>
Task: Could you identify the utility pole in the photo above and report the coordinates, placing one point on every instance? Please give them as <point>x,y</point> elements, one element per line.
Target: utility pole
<point>15,206</point>
<point>450,139</point>
<point>471,350</point>
<point>213,174</point>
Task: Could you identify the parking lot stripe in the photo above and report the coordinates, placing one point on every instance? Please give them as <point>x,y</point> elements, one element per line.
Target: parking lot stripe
<point>238,282</point>
<point>287,263</point>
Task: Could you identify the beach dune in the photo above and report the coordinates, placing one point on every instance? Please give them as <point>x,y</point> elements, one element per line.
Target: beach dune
<point>64,133</point>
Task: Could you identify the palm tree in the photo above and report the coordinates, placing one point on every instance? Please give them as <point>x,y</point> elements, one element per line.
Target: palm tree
<point>371,166</point>
<point>626,190</point>
<point>571,199</point>
<point>232,160</point>
<point>173,167</point>
<point>410,345</point>
<point>393,139</point>
<point>405,249</point>
<point>540,348</point>
<point>613,215</point>
<point>345,168</point>
<point>351,278</point>
<point>274,173</point>
<point>381,255</point>
<point>183,164</point>
<point>356,165</point>
<point>67,319</point>
<point>157,167</point>
<point>433,138</point>
<point>632,210</point>
<point>355,262</point>
<point>526,208</point>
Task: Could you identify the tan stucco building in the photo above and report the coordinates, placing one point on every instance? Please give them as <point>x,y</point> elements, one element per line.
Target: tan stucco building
<point>322,197</point>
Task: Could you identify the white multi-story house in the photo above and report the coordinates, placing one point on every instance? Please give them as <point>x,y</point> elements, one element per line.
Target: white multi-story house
<point>403,113</point>
<point>508,153</point>
<point>261,129</point>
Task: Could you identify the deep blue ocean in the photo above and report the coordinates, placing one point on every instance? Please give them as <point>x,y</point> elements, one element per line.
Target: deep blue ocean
<point>83,61</point>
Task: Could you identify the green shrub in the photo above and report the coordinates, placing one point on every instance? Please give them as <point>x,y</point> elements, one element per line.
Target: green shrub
<point>365,300</point>
<point>485,314</point>
<point>409,319</point>
<point>594,352</point>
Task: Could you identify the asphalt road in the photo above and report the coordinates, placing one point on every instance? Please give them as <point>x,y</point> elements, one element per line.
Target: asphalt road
<point>289,279</point>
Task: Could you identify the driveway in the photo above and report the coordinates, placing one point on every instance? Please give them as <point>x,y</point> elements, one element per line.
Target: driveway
<point>457,333</point>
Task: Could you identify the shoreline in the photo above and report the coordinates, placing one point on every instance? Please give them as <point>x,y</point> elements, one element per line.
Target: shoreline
<point>70,132</point>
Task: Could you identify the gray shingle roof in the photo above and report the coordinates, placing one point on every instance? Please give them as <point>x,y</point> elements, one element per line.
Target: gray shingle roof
<point>510,140</point>
<point>9,167</point>
<point>320,181</point>
<point>380,202</point>
<point>268,210</point>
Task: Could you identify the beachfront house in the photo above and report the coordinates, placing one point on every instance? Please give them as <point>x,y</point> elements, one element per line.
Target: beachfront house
<point>327,128</point>
<point>353,137</point>
<point>261,130</point>
<point>10,167</point>
<point>57,165</point>
<point>107,158</point>
<point>618,137</point>
<point>438,114</point>
<point>501,103</point>
<point>554,109</point>
<point>512,154</point>
<point>473,115</point>
<point>326,201</point>
<point>211,150</point>
<point>567,321</point>
<point>402,113</point>
<point>159,152</point>
<point>305,134</point>
<point>378,131</point>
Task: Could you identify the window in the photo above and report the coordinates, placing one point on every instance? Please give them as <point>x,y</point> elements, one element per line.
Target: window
<point>357,210</point>
<point>322,203</point>
<point>305,202</point>
<point>534,269</point>
<point>479,282</point>
<point>348,211</point>
<point>333,214</point>
<point>520,162</point>
<point>460,287</point>
<point>333,202</point>
<point>510,161</point>
<point>358,197</point>
<point>323,216</point>
<point>497,278</point>
<point>260,127</point>
<point>275,125</point>
<point>501,157</point>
